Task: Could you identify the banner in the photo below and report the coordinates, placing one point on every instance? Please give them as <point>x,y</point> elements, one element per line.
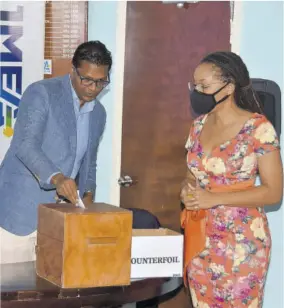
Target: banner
<point>21,63</point>
<point>21,59</point>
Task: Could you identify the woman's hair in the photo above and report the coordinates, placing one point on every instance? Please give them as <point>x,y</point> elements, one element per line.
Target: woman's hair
<point>233,70</point>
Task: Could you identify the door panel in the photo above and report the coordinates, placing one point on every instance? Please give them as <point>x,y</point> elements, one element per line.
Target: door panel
<point>163,46</point>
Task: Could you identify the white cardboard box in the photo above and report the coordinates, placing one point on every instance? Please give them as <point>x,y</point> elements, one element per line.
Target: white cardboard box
<point>156,253</point>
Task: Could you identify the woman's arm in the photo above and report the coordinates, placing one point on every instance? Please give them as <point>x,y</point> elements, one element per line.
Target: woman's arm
<point>190,178</point>
<point>268,193</point>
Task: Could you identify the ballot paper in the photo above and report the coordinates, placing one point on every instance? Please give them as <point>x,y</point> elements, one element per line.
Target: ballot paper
<point>80,203</point>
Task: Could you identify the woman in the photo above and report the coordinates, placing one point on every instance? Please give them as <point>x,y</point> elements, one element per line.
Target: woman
<point>228,146</point>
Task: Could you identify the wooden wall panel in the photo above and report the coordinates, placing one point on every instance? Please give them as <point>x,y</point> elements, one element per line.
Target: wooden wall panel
<point>66,26</point>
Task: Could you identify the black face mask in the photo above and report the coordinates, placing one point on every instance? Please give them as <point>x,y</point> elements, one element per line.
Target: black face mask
<point>203,103</point>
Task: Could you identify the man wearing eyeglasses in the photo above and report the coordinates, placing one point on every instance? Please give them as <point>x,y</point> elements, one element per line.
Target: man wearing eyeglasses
<point>58,129</point>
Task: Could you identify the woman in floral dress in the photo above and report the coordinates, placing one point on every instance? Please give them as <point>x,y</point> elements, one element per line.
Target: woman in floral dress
<point>229,144</point>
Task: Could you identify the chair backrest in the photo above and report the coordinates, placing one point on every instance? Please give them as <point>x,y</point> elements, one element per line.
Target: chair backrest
<point>143,219</point>
<point>269,94</point>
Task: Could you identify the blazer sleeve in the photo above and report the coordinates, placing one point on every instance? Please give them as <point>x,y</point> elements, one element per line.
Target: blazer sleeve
<point>92,172</point>
<point>32,116</point>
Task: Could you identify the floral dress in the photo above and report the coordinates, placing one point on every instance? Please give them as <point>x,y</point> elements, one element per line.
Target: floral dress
<point>231,270</point>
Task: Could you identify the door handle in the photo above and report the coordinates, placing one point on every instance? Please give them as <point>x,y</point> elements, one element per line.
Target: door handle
<point>126,181</point>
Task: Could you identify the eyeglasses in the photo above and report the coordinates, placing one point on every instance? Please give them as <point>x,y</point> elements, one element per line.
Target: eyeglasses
<point>88,82</point>
<point>200,87</point>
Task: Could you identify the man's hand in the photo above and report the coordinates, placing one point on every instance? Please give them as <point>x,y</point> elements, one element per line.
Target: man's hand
<point>65,187</point>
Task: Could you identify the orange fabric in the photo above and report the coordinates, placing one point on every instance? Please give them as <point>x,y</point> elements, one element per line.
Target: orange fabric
<point>194,224</point>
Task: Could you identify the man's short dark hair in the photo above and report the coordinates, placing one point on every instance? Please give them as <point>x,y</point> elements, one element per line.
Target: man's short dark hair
<point>94,52</point>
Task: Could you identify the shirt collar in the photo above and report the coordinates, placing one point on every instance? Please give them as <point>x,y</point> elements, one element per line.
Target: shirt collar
<point>88,107</point>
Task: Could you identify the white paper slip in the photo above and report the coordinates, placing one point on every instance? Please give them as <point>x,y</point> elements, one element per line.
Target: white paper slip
<point>80,203</point>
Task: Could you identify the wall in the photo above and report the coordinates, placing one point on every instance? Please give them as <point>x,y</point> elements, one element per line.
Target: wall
<point>107,24</point>
<point>258,38</point>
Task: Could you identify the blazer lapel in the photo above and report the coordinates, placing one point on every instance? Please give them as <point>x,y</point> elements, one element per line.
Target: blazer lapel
<point>68,113</point>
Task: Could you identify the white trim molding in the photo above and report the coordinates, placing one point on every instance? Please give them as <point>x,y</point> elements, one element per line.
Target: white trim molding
<point>236,26</point>
<point>118,106</point>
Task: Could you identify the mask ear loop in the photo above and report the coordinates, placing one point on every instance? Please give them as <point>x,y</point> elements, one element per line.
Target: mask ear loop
<point>221,89</point>
<point>224,98</point>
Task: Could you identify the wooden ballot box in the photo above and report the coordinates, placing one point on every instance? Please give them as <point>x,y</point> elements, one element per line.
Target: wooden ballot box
<point>81,248</point>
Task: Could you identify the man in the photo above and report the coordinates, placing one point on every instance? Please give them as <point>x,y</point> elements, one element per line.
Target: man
<point>57,133</point>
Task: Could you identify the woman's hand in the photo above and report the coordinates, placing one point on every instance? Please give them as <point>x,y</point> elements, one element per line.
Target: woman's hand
<point>195,198</point>
<point>187,194</point>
